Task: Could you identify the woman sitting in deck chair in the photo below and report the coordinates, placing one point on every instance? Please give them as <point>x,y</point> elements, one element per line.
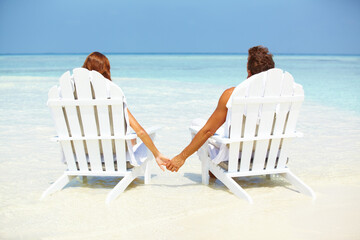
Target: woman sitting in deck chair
<point>100,63</point>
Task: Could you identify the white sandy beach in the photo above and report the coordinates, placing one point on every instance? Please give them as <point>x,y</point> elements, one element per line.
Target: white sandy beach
<point>177,205</point>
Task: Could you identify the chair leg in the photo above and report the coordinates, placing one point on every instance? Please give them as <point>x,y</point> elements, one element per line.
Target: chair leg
<point>84,179</point>
<point>205,171</point>
<point>122,185</point>
<point>204,164</point>
<point>303,188</point>
<point>230,183</point>
<point>147,174</point>
<point>57,185</point>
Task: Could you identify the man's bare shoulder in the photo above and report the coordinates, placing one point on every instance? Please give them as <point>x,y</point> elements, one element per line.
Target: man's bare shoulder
<point>228,91</point>
<point>226,95</point>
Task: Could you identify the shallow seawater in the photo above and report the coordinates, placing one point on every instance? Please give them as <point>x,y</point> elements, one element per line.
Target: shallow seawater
<point>170,91</point>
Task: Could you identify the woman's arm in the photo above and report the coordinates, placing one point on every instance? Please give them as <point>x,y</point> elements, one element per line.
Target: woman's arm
<point>145,138</point>
<point>215,121</point>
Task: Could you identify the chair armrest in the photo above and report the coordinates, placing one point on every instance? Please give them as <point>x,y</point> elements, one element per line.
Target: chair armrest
<point>194,130</point>
<point>152,130</point>
<point>130,136</point>
<point>224,140</point>
<point>214,137</point>
<point>54,139</point>
<point>220,139</point>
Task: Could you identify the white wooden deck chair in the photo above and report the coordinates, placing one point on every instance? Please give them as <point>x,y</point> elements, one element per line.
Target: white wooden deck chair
<point>271,102</point>
<point>91,122</point>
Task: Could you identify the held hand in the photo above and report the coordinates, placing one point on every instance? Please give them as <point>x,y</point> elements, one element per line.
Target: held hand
<point>161,160</point>
<point>175,163</point>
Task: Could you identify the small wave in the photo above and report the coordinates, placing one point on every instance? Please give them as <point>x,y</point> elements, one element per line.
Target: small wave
<point>27,78</point>
<point>129,79</point>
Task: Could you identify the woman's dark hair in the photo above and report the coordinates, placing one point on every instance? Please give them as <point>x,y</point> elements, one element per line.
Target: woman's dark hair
<point>98,62</point>
<point>259,60</point>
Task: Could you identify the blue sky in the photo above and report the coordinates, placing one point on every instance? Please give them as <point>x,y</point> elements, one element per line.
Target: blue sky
<point>177,26</point>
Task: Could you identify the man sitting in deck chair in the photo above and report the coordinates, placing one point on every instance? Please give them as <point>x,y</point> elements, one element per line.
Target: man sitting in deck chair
<point>259,60</point>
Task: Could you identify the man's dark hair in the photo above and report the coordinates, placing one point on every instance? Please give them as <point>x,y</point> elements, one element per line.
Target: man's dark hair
<point>259,60</point>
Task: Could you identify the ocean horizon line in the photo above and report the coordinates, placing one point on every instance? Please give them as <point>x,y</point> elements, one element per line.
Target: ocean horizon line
<point>180,53</point>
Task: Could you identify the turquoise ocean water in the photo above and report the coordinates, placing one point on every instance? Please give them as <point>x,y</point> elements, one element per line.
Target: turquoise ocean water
<point>176,87</point>
<point>329,80</point>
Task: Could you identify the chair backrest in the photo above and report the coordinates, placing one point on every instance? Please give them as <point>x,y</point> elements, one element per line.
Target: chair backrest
<point>269,103</point>
<point>88,111</point>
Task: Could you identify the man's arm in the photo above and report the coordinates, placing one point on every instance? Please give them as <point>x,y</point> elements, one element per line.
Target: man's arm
<point>215,121</point>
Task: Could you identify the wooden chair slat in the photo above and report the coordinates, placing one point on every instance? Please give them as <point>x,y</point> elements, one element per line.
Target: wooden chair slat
<point>235,131</point>
<point>83,90</point>
<point>272,82</point>
<point>62,129</point>
<point>291,122</point>
<point>280,122</point>
<point>119,127</point>
<point>100,91</point>
<point>256,89</point>
<point>67,92</point>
